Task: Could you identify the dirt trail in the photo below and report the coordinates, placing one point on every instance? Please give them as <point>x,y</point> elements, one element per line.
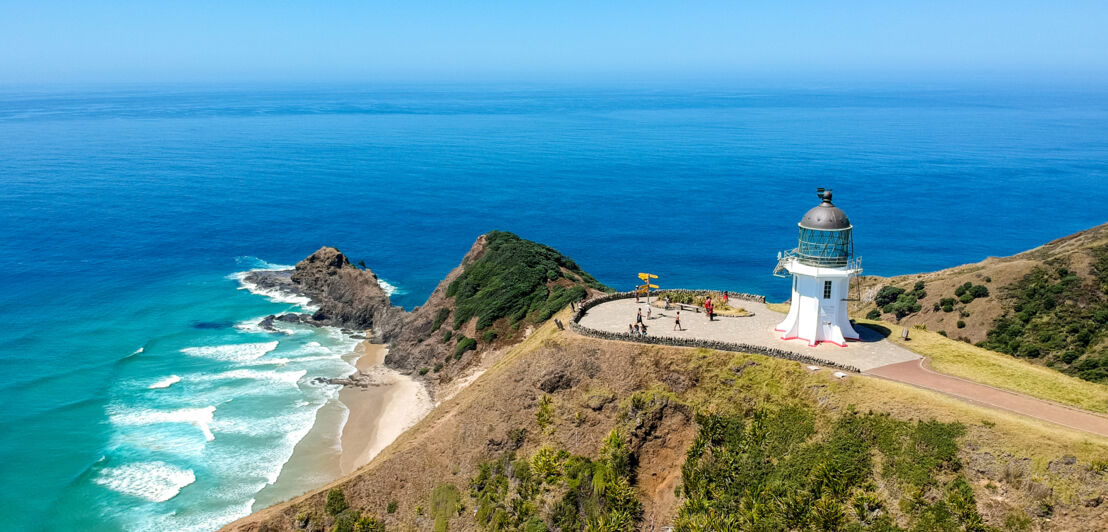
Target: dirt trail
<point>915,373</point>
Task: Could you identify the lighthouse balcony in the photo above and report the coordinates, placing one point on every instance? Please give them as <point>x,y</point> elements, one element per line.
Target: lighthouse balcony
<point>791,263</point>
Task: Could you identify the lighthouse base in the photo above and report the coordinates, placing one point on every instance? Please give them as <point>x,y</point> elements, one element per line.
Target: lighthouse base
<point>818,310</point>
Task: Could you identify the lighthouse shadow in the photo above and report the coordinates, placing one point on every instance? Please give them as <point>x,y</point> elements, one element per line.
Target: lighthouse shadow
<point>872,333</point>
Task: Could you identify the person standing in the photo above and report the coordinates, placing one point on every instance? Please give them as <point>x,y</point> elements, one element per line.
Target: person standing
<point>677,322</point>
<point>638,318</point>
<point>648,312</point>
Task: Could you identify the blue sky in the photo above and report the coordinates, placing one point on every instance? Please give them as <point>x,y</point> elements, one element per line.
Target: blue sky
<point>48,41</point>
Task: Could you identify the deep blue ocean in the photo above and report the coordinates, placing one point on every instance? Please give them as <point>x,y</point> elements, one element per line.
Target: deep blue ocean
<point>136,394</point>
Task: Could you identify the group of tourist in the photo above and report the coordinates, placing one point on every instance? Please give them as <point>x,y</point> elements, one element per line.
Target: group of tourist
<point>639,327</point>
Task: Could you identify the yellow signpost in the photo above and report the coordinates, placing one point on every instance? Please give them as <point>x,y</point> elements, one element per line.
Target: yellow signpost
<point>646,286</point>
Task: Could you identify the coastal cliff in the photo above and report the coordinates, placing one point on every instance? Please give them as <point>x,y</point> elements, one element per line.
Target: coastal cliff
<point>503,287</point>
<point>570,432</point>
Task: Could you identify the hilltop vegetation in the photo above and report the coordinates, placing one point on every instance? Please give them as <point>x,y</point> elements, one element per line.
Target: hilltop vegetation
<point>1048,305</point>
<point>515,279</point>
<point>1058,317</point>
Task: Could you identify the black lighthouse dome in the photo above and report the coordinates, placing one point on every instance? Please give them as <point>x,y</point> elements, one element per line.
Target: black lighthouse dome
<point>825,235</point>
<point>825,216</point>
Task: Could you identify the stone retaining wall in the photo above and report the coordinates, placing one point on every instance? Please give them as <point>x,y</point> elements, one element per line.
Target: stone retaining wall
<point>693,342</point>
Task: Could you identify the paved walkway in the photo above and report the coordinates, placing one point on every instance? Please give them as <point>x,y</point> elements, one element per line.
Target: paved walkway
<point>871,352</point>
<point>916,373</point>
<point>873,355</point>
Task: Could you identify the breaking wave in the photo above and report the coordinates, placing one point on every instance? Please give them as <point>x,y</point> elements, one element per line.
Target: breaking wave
<point>153,481</point>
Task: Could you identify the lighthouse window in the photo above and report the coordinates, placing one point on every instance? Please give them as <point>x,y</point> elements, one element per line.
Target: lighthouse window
<point>827,289</point>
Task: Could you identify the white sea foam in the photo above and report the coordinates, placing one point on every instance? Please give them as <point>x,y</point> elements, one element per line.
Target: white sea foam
<point>200,418</point>
<point>277,377</point>
<point>153,481</point>
<point>233,352</point>
<point>254,325</point>
<point>195,522</point>
<point>139,350</point>
<point>273,295</point>
<point>389,288</point>
<point>166,382</point>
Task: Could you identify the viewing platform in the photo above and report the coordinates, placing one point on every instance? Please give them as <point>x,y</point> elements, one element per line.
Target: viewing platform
<point>870,352</point>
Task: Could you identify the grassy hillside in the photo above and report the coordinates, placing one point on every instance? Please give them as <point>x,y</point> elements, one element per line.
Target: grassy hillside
<point>999,370</point>
<point>1048,305</point>
<point>563,430</point>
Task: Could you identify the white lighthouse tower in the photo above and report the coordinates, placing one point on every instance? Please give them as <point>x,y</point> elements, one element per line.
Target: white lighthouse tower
<point>821,267</point>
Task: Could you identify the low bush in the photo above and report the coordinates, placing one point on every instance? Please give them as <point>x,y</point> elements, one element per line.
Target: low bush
<point>887,295</point>
<point>544,415</point>
<point>464,344</point>
<point>904,305</point>
<point>336,502</point>
<point>874,314</point>
<point>489,336</point>
<point>440,317</point>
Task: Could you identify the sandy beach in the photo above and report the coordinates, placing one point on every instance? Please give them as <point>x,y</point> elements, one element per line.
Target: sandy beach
<point>350,431</point>
<point>380,412</point>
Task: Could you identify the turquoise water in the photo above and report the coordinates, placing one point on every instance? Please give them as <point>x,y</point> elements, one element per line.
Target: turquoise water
<point>127,212</point>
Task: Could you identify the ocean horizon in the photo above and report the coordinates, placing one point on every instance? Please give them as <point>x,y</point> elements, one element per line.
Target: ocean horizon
<point>141,395</point>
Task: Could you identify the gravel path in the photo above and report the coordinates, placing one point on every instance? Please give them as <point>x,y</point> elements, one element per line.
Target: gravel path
<point>916,373</point>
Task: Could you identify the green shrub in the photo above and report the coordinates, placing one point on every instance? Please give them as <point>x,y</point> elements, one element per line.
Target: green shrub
<point>369,523</point>
<point>961,290</point>
<point>424,370</point>
<point>918,290</point>
<point>391,507</point>
<point>961,324</point>
<point>346,521</point>
<point>489,336</point>
<point>967,292</point>
<point>874,314</point>
<point>464,344</point>
<point>438,367</point>
<point>510,280</point>
<point>544,415</point>
<point>904,305</point>
<point>446,336</point>
<point>978,291</point>
<point>887,295</point>
<point>440,317</point>
<point>517,435</point>
<point>336,502</point>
